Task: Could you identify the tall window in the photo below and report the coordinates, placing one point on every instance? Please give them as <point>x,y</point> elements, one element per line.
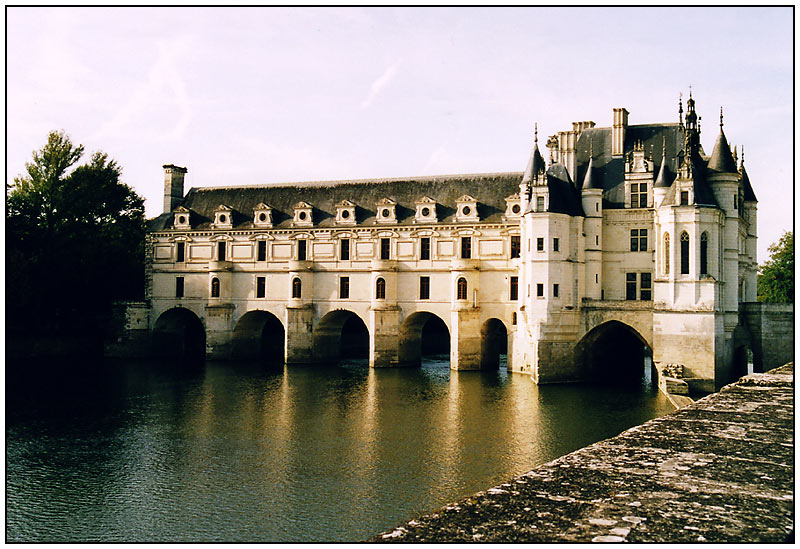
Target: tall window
<point>540,244</point>
<point>344,249</point>
<point>539,203</point>
<point>424,287</point>
<point>425,247</point>
<point>555,244</point>
<point>684,252</point>
<point>666,253</point>
<point>540,290</point>
<point>515,246</point>
<point>261,286</point>
<point>555,290</point>
<point>704,253</point>
<point>380,289</point>
<point>638,240</point>
<point>684,198</point>
<point>630,286</point>
<point>385,248</point>
<point>645,286</point>
<point>301,250</point>
<point>215,287</point>
<point>179,286</point>
<point>297,288</point>
<point>638,195</point>
<point>344,287</point>
<point>220,251</point>
<point>180,252</point>
<point>262,250</point>
<point>461,288</point>
<point>466,247</point>
<point>513,288</point>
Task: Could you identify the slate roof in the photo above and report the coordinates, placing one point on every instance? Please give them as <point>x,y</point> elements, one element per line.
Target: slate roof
<point>721,157</point>
<point>749,195</point>
<point>490,190</point>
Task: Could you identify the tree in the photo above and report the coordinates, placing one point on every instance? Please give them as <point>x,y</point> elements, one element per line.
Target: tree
<point>776,275</point>
<point>74,238</point>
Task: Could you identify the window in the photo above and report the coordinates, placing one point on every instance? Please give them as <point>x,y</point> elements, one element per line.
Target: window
<point>466,247</point>
<point>630,286</point>
<point>385,248</point>
<point>301,250</point>
<point>461,288</point>
<point>645,286</point>
<point>179,286</point>
<point>638,240</point>
<point>704,253</point>
<point>555,244</point>
<point>684,198</point>
<point>539,203</point>
<point>514,318</point>
<point>424,287</point>
<point>596,240</point>
<point>380,289</point>
<point>638,195</point>
<point>344,249</point>
<point>425,248</point>
<point>344,287</point>
<point>262,250</point>
<point>641,286</point>
<point>215,287</point>
<point>666,253</point>
<point>515,247</point>
<point>220,251</point>
<point>734,200</point>
<point>297,288</point>
<point>684,253</point>
<point>555,290</point>
<point>540,290</point>
<point>540,244</point>
<point>180,252</point>
<point>513,288</point>
<point>596,278</point>
<point>261,286</point>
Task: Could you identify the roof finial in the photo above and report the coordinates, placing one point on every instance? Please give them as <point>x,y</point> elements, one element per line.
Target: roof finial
<point>591,146</point>
<point>742,155</point>
<point>536,132</point>
<point>663,148</point>
<point>720,117</point>
<point>690,91</point>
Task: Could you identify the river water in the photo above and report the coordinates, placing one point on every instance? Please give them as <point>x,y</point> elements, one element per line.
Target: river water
<point>226,452</point>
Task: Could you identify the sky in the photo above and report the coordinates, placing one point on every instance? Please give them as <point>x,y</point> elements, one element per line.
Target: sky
<point>244,96</point>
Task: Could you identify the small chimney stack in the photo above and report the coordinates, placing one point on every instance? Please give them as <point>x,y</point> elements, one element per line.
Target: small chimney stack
<point>618,131</point>
<point>173,186</point>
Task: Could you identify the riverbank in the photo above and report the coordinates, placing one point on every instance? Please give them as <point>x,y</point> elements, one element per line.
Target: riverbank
<point>719,470</point>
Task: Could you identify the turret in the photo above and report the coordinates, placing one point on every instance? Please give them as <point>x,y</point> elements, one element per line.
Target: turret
<point>592,202</point>
<point>534,172</point>
<point>662,182</point>
<point>173,186</point>
<point>723,174</point>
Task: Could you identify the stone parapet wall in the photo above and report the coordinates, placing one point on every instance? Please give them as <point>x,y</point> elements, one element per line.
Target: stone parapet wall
<point>771,326</point>
<point>720,470</point>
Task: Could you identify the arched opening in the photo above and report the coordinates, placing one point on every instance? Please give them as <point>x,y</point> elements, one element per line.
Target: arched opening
<point>616,354</point>
<point>704,253</point>
<point>423,334</point>
<point>494,343</point>
<point>297,288</point>
<point>461,288</point>
<point>684,252</point>
<point>215,287</point>
<point>178,333</point>
<point>380,289</point>
<point>742,362</point>
<point>258,335</point>
<point>341,334</point>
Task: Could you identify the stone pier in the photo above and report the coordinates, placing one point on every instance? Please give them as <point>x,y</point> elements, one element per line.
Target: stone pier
<point>720,470</point>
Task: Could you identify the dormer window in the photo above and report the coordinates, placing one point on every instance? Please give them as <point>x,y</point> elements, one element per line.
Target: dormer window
<point>182,218</point>
<point>223,218</point>
<point>426,210</point>
<point>386,211</point>
<point>467,209</point>
<point>302,215</point>
<point>262,216</point>
<point>513,206</point>
<point>540,203</point>
<point>345,213</point>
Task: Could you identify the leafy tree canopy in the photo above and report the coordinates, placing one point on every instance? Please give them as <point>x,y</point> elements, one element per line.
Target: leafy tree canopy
<point>75,236</point>
<point>776,275</point>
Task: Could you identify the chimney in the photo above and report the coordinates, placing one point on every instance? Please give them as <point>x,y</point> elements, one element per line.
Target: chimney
<point>173,186</point>
<point>618,131</point>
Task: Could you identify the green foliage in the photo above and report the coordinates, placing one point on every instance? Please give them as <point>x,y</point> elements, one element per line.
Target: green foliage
<point>74,238</point>
<point>776,276</point>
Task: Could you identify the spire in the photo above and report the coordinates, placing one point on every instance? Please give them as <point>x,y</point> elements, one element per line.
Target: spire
<point>589,181</point>
<point>749,195</point>
<point>661,180</point>
<point>722,158</point>
<point>536,166</point>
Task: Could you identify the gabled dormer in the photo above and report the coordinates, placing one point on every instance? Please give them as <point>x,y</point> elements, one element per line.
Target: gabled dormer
<point>386,211</point>
<point>182,218</point>
<point>223,217</point>
<point>262,215</point>
<point>426,210</point>
<point>467,209</point>
<point>302,215</point>
<point>513,207</point>
<point>345,213</point>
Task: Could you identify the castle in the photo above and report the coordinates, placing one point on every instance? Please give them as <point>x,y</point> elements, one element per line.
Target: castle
<point>629,241</point>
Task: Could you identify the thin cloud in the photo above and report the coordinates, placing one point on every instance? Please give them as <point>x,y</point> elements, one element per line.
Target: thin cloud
<point>379,84</point>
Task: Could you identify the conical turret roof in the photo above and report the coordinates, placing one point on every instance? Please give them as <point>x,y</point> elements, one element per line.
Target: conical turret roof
<point>590,181</point>
<point>722,158</point>
<point>749,195</point>
<point>536,167</point>
<point>663,180</point>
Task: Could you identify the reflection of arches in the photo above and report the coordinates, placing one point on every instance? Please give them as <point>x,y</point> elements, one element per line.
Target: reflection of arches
<point>179,333</point>
<point>494,342</point>
<point>422,333</point>
<point>258,335</point>
<point>339,334</point>
<point>613,352</point>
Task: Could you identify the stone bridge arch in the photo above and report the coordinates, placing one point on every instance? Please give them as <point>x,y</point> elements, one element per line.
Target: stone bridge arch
<point>494,343</point>
<point>179,333</point>
<point>422,333</point>
<point>637,315</point>
<point>615,353</point>
<point>259,335</point>
<point>340,333</point>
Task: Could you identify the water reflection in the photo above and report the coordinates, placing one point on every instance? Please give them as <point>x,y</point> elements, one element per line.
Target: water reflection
<point>237,452</point>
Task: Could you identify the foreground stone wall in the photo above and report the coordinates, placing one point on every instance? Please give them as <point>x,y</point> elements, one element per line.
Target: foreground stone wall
<point>720,470</point>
